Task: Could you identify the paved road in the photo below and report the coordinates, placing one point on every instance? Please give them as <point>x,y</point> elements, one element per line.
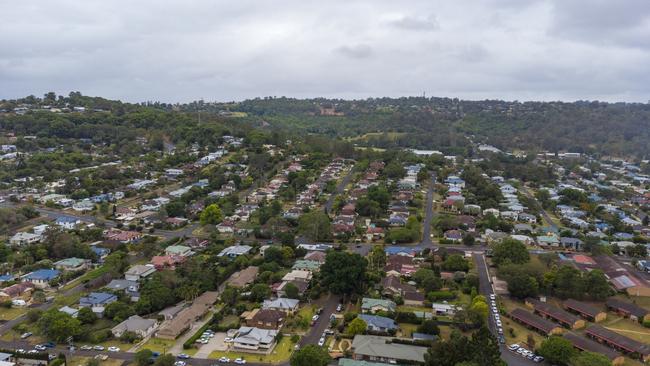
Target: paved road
<point>339,189</point>
<point>542,211</point>
<point>485,288</point>
<point>428,217</point>
<point>52,214</point>
<point>323,322</point>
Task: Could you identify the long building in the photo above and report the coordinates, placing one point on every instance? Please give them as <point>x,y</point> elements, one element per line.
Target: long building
<point>628,310</point>
<point>551,312</point>
<point>619,342</point>
<point>535,322</point>
<point>186,317</point>
<point>585,344</point>
<point>587,311</point>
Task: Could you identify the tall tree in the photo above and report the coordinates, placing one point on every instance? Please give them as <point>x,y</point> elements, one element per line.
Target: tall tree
<point>315,225</point>
<point>344,273</point>
<point>557,350</point>
<point>310,355</point>
<point>211,215</point>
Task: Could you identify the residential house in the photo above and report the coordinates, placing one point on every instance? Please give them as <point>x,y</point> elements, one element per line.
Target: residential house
<point>22,291</point>
<point>139,272</point>
<point>306,265</point>
<point>41,278</point>
<point>23,238</point>
<point>290,306</point>
<point>178,250</point>
<point>97,299</point>
<point>135,324</point>
<point>72,264</point>
<point>264,318</point>
<point>444,309</point>
<point>383,349</point>
<point>186,317</point>
<point>255,339</point>
<point>375,323</point>
<point>67,222</point>
<point>243,278</point>
<point>298,275</point>
<point>369,305</point>
<point>235,251</point>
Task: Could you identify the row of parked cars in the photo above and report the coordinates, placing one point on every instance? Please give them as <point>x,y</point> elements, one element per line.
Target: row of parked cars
<point>497,318</point>
<point>525,353</point>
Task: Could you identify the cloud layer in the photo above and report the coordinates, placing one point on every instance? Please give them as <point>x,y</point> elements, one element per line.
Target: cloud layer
<point>230,50</point>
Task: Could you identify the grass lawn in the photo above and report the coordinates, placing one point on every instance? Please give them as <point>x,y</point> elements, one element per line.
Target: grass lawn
<point>407,308</point>
<point>407,330</point>
<point>627,328</point>
<point>280,353</point>
<point>78,360</point>
<point>88,276</point>
<point>228,320</point>
<point>158,345</point>
<point>11,313</point>
<point>520,333</point>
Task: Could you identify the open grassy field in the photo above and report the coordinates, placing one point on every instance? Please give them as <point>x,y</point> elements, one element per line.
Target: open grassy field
<point>627,328</point>
<point>83,361</point>
<point>158,345</point>
<point>12,313</point>
<point>280,353</point>
<point>407,330</point>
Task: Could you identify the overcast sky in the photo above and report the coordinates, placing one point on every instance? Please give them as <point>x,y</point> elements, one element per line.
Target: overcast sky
<point>178,51</point>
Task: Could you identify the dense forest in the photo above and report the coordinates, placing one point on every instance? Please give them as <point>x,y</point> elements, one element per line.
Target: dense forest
<point>446,124</point>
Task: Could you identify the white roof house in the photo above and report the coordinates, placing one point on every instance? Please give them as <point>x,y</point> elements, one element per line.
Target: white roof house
<point>255,338</point>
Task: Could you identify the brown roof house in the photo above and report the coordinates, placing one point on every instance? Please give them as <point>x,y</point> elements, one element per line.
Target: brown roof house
<point>244,277</point>
<point>551,312</point>
<point>628,310</point>
<point>264,318</point>
<point>186,317</point>
<point>585,310</point>
<point>535,322</point>
<point>392,286</point>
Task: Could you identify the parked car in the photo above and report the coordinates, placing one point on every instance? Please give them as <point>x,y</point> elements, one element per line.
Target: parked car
<point>179,363</point>
<point>86,347</point>
<point>339,307</point>
<point>49,344</point>
<point>26,335</point>
<point>493,297</point>
<point>98,348</point>
<point>113,349</point>
<point>513,347</point>
<point>224,360</point>
<point>538,359</point>
<point>240,361</point>
<point>40,347</point>
<point>321,342</point>
<point>183,356</point>
<point>228,340</point>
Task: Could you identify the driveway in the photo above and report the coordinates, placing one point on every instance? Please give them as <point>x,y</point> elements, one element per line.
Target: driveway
<point>216,344</point>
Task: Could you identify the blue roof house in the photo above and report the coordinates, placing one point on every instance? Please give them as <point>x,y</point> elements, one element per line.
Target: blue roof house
<point>378,323</point>
<point>95,299</point>
<point>41,278</point>
<point>67,222</point>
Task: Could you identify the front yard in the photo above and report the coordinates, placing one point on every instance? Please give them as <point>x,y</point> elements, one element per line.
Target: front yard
<point>280,353</point>
<point>12,313</point>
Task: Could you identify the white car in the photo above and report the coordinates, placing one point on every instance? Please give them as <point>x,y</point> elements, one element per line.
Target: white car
<point>513,347</point>
<point>113,349</point>
<point>497,317</point>
<point>98,348</point>
<point>321,342</point>
<point>240,361</point>
<point>498,323</point>
<point>224,360</point>
<point>228,340</point>
<point>40,347</point>
<point>493,297</point>
<point>180,363</point>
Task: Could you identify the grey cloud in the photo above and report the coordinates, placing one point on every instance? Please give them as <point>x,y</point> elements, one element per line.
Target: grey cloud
<point>427,23</point>
<point>224,50</point>
<point>359,51</point>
